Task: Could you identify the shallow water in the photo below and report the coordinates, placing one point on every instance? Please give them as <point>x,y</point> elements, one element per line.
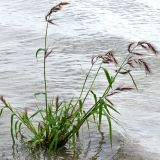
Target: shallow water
<point>83,29</point>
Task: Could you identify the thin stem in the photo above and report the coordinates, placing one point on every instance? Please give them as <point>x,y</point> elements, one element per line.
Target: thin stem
<point>85,81</point>
<point>44,68</point>
<point>87,75</point>
<point>86,78</point>
<point>45,78</point>
<point>92,83</point>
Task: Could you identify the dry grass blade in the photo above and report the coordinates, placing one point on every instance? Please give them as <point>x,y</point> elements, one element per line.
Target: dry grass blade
<point>48,53</point>
<point>112,93</point>
<point>124,88</point>
<point>123,72</point>
<point>138,54</point>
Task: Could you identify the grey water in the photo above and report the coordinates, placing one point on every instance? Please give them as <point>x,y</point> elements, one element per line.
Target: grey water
<point>83,29</point>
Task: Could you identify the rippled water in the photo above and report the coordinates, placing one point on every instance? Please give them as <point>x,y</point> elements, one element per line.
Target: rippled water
<point>83,29</point>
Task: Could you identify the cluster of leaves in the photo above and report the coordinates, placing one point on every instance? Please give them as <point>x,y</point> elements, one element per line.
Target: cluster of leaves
<point>61,121</point>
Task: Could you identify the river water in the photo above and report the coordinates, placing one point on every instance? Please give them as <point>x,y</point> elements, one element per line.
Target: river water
<point>82,29</point>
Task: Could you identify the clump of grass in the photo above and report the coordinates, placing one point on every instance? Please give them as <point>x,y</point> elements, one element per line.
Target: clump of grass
<point>60,121</point>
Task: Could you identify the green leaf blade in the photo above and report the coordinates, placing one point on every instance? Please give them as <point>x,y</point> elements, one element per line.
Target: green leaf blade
<point>39,51</point>
<point>109,78</point>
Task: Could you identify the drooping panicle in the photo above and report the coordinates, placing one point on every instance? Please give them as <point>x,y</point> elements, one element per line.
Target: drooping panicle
<point>106,58</point>
<point>148,46</point>
<point>54,9</point>
<point>130,47</point>
<point>145,65</point>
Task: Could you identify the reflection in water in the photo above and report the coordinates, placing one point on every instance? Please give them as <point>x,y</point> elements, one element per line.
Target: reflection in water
<point>99,148</point>
<point>91,147</point>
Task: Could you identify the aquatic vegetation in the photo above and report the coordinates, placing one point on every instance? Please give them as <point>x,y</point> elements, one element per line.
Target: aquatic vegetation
<point>58,123</point>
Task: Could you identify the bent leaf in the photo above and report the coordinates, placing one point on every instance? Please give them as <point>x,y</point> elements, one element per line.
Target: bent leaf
<point>95,97</point>
<point>39,51</point>
<point>112,108</point>
<point>39,93</point>
<point>108,76</point>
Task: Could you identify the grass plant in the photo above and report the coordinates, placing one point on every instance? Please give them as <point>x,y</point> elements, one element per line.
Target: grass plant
<point>61,121</point>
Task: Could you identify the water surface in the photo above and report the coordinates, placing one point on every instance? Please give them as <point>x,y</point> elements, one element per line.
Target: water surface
<point>83,29</point>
